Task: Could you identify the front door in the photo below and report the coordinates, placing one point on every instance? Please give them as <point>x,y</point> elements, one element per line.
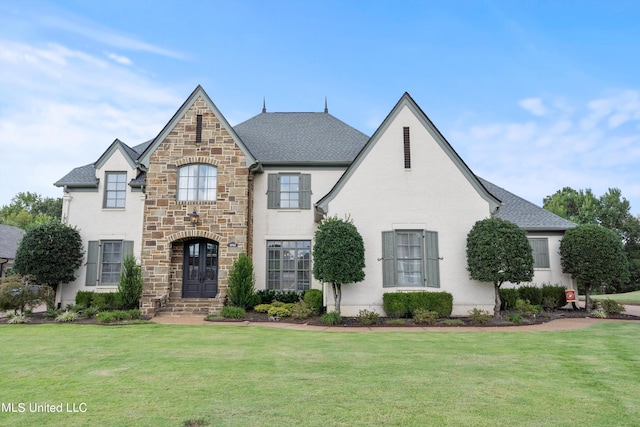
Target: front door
<point>200,269</point>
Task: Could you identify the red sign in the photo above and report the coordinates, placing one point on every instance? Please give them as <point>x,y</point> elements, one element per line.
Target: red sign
<point>570,295</point>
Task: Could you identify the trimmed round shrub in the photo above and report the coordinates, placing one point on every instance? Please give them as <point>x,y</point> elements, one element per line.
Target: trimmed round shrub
<point>313,299</point>
<point>533,294</point>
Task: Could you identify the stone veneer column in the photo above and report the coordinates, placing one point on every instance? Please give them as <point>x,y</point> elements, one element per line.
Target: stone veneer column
<point>166,220</point>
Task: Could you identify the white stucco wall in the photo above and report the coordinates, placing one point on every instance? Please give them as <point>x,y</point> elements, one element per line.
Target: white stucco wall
<point>84,210</point>
<point>286,224</point>
<point>433,194</point>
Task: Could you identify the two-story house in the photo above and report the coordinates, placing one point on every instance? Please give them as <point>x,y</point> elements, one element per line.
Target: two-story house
<point>189,201</point>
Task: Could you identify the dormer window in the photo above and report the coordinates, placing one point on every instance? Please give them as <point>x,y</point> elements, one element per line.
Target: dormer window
<point>197,183</point>
<point>115,190</point>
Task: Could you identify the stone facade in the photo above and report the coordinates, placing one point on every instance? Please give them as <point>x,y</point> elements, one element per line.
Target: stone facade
<point>167,223</point>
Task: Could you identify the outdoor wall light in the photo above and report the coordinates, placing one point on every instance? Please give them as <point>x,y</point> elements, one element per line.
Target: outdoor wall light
<point>194,218</point>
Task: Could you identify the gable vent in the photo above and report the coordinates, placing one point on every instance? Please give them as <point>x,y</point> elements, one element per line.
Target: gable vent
<point>407,148</point>
<point>198,128</point>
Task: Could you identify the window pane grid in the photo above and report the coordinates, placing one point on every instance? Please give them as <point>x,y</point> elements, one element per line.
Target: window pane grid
<point>197,183</point>
<point>288,265</point>
<point>115,190</point>
<point>290,191</point>
<point>111,262</point>
<point>409,258</point>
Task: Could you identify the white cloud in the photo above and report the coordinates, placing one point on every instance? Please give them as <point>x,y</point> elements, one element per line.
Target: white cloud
<point>534,106</point>
<point>119,58</point>
<point>62,107</point>
<point>538,157</point>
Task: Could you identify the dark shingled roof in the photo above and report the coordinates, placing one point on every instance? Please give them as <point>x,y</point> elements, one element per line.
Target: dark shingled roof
<point>525,214</point>
<point>295,138</point>
<point>85,176</point>
<point>9,238</point>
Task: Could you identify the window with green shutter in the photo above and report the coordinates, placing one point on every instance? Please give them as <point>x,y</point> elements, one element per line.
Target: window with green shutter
<point>540,252</point>
<point>289,191</point>
<point>104,261</point>
<point>410,258</point>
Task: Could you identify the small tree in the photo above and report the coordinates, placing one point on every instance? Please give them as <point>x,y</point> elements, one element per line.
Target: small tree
<point>130,285</point>
<point>241,291</point>
<point>18,292</point>
<point>594,256</point>
<point>338,255</point>
<point>498,251</point>
<point>50,253</point>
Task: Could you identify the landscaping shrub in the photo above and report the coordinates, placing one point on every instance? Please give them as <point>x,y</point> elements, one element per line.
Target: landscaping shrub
<point>48,295</point>
<point>440,302</point>
<point>480,316</point>
<point>533,294</point>
<point>106,301</point>
<point>453,322</point>
<point>85,298</point>
<point>553,294</point>
<point>241,290</point>
<point>508,298</point>
<point>526,309</point>
<point>18,292</point>
<point>313,298</point>
<point>301,310</point>
<point>611,307</point>
<point>52,313</point>
<point>91,311</point>
<point>262,308</point>
<point>279,310</point>
<point>231,312</point>
<point>395,304</point>
<point>425,317</point>
<point>117,315</point>
<point>267,296</point>
<point>67,316</point>
<point>332,318</point>
<point>130,284</point>
<point>514,318</point>
<point>289,297</point>
<point>17,319</point>
<point>366,317</point>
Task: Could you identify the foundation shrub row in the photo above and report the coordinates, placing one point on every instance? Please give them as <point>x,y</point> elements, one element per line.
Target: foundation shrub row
<point>405,304</point>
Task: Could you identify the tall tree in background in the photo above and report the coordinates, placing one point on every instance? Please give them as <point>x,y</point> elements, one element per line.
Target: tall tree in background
<point>498,251</point>
<point>29,209</point>
<point>612,211</point>
<point>594,256</point>
<point>338,255</point>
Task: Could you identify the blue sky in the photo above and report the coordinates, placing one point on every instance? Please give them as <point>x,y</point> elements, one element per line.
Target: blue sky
<point>533,95</point>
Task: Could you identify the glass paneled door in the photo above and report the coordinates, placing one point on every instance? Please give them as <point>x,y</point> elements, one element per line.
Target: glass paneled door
<point>200,269</point>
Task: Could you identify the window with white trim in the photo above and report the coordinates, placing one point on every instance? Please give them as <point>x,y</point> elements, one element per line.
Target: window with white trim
<point>289,191</point>
<point>115,190</point>
<point>289,265</point>
<point>410,258</point>
<point>197,182</point>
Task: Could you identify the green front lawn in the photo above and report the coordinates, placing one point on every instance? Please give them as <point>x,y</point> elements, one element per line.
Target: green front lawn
<point>162,375</point>
<point>629,297</point>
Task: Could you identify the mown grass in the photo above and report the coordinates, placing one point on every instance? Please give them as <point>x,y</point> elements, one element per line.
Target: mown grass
<point>161,375</point>
<point>628,297</point>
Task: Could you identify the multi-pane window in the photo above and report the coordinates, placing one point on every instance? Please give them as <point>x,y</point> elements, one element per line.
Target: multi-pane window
<point>197,183</point>
<point>111,262</point>
<point>540,252</point>
<point>410,258</point>
<point>115,192</point>
<point>104,261</point>
<point>289,265</point>
<point>289,191</point>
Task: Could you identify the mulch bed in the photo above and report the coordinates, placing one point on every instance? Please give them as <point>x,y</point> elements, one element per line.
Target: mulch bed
<point>255,317</point>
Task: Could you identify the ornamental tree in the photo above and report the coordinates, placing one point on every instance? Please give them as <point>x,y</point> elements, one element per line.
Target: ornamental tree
<point>338,255</point>
<point>498,251</point>
<point>594,256</point>
<point>50,253</point>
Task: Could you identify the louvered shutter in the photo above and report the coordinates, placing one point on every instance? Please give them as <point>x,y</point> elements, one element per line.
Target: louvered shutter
<point>388,259</point>
<point>432,259</point>
<point>93,252</point>
<point>273,193</point>
<point>305,191</point>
